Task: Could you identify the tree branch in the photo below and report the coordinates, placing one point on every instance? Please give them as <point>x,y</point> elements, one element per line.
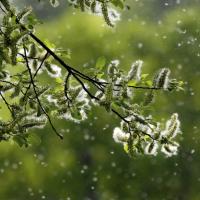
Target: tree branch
<point>37,97</point>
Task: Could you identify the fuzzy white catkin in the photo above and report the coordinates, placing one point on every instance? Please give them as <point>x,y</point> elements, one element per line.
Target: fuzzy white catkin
<point>162,79</point>
<point>54,3</point>
<point>57,71</point>
<point>151,149</point>
<point>135,71</point>
<point>172,126</point>
<point>115,63</point>
<point>170,150</point>
<point>113,15</point>
<point>119,136</point>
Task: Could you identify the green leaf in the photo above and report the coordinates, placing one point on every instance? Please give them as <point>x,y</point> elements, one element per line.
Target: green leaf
<point>32,20</point>
<point>126,148</point>
<point>144,76</point>
<point>149,83</point>
<point>100,64</point>
<point>118,3</point>
<point>49,44</point>
<point>132,83</point>
<point>99,75</point>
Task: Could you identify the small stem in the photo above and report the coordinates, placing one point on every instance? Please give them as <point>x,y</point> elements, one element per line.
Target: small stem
<point>7,104</point>
<point>37,97</point>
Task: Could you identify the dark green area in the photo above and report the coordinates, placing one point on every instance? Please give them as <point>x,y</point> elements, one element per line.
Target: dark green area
<point>87,164</point>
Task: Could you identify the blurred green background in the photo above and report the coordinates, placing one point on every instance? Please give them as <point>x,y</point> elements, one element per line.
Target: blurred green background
<point>88,164</point>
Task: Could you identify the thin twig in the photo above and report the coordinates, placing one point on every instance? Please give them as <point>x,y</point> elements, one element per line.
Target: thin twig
<point>7,104</point>
<point>28,88</point>
<point>37,97</point>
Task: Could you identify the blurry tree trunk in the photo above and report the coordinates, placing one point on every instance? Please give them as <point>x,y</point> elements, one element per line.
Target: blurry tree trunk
<point>90,185</point>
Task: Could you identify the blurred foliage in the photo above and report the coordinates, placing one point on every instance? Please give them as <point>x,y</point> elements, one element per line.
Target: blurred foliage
<point>88,164</point>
